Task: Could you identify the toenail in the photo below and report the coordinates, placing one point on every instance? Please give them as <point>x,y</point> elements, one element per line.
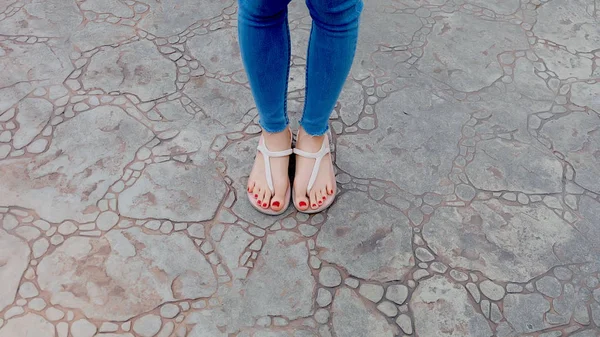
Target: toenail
<point>320,202</point>
<point>265,205</point>
<point>258,202</point>
<point>275,203</point>
<point>302,204</point>
<point>324,197</point>
<point>256,196</point>
<point>314,205</point>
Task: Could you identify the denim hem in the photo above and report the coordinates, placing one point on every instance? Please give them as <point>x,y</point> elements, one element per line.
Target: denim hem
<point>314,130</point>
<point>274,128</point>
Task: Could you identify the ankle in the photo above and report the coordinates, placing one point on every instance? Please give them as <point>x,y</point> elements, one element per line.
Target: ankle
<point>278,139</point>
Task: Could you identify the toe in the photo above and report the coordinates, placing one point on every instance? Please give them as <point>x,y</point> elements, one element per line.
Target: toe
<point>319,195</point>
<point>277,202</point>
<point>259,199</point>
<point>266,200</point>
<point>257,191</point>
<point>313,200</point>
<point>301,201</point>
<point>329,188</point>
<point>251,184</point>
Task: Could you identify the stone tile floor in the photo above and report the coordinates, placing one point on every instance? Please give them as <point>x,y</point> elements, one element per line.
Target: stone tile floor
<point>468,158</point>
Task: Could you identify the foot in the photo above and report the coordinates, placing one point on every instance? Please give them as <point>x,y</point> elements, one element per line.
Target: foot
<point>257,182</point>
<point>323,187</point>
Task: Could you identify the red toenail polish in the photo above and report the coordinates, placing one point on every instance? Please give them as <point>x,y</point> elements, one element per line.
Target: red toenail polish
<point>302,204</point>
<point>324,197</point>
<point>258,202</point>
<point>320,202</point>
<point>314,205</point>
<point>275,203</point>
<point>256,195</point>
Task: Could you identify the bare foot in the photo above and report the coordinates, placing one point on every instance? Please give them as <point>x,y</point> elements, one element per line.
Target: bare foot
<point>323,187</point>
<point>257,182</point>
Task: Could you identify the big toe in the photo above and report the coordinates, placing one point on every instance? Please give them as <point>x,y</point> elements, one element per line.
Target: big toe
<point>302,201</point>
<point>277,202</point>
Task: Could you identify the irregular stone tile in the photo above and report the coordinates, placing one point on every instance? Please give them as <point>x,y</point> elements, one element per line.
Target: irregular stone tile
<point>232,246</point>
<point>462,50</point>
<point>204,324</point>
<point>588,226</point>
<point>226,103</point>
<point>86,157</point>
<point>372,292</point>
<point>502,7</point>
<point>568,23</point>
<point>563,63</point>
<point>29,62</point>
<point>585,94</point>
<point>367,238</point>
<point>14,259</point>
<point>381,28</point>
<point>170,17</point>
<point>414,145</point>
<point>218,52</point>
<point>397,293</point>
<point>501,165</point>
<point>147,326</point>
<point>351,101</point>
<point>113,7</point>
<point>549,286</point>
<point>506,243</point>
<point>493,291</point>
<point>525,312</point>
<point>174,191</point>
<point>586,333</point>
<point>83,328</point>
<point>281,283</point>
<point>32,115</point>
<point>449,303</point>
<point>96,34</point>
<point>329,277</point>
<point>28,325</point>
<point>47,18</point>
<point>136,68</point>
<point>576,136</point>
<point>504,116</point>
<point>351,317</point>
<point>528,83</point>
<point>125,273</point>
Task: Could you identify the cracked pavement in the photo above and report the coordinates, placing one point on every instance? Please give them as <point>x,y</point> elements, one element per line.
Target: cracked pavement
<point>467,145</point>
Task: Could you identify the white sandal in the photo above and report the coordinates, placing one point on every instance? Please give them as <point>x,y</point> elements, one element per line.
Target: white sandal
<point>318,157</point>
<point>267,155</point>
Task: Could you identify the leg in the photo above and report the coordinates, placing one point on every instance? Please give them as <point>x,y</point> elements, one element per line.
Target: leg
<point>264,39</point>
<point>331,51</point>
<point>265,48</point>
<point>330,54</point>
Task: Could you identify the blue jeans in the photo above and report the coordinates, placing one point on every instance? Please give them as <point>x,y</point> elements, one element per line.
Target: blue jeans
<point>264,39</point>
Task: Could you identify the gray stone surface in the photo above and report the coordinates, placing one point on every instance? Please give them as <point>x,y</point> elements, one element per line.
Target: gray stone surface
<point>351,317</point>
<point>374,245</point>
<point>461,55</point>
<point>28,325</point>
<point>170,190</point>
<point>502,165</point>
<point>136,68</point>
<point>502,253</point>
<point>577,138</point>
<point>525,312</point>
<point>281,283</point>
<point>417,140</point>
<point>14,257</point>
<point>86,156</point>
<point>129,286</point>
<point>466,141</point>
<point>449,303</point>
